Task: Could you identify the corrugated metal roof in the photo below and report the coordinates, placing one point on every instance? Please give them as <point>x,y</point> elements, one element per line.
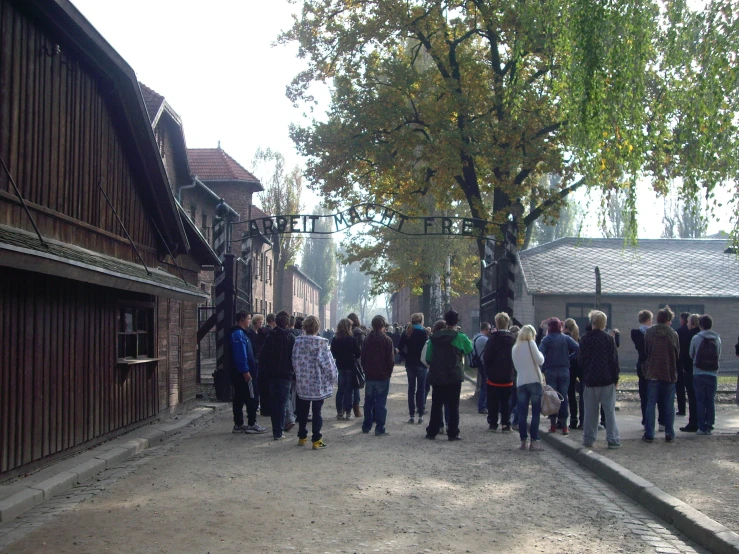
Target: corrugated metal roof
<point>655,267</point>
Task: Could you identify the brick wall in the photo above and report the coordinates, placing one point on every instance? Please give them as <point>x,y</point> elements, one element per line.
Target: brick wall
<point>623,316</point>
<point>300,296</point>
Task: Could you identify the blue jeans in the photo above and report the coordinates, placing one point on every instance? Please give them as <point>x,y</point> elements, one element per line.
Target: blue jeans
<point>345,392</point>
<point>375,402</point>
<point>417,389</point>
<point>530,392</point>
<point>705,395</point>
<point>660,393</point>
<point>482,393</point>
<point>559,379</point>
<point>279,391</point>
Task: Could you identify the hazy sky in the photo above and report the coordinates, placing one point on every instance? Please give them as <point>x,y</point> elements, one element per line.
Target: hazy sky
<point>215,64</point>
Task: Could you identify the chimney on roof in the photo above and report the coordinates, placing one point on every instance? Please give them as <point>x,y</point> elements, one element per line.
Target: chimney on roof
<point>219,145</point>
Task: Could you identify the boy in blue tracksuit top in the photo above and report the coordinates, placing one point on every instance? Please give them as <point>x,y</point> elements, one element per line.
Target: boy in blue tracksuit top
<point>244,377</point>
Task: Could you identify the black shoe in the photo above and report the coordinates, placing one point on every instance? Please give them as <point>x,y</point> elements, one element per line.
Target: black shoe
<point>680,413</point>
<point>457,438</point>
<point>668,438</point>
<point>430,437</point>
<point>492,428</point>
<point>647,439</point>
<point>689,429</point>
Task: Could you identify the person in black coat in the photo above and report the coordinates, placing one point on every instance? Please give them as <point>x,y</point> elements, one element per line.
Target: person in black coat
<point>346,352</point>
<point>358,335</point>
<point>412,342</point>
<point>688,329</point>
<point>500,373</point>
<point>276,361</point>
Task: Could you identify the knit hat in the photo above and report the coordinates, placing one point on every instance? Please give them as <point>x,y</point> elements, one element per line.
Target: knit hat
<point>554,325</point>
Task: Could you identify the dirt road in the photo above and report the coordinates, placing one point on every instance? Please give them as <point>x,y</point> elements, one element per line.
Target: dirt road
<point>221,493</point>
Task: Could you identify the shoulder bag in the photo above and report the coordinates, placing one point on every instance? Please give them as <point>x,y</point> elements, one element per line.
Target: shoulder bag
<point>357,376</point>
<point>551,400</point>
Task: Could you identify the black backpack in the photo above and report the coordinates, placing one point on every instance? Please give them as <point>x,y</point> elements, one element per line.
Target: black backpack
<point>706,358</point>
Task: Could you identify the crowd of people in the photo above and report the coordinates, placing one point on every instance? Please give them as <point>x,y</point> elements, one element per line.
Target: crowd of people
<point>283,368</point>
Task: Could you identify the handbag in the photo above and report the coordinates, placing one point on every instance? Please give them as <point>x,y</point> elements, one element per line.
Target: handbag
<point>551,400</point>
<point>357,376</point>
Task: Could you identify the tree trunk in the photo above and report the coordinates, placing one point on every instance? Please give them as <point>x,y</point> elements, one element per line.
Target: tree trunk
<point>435,302</point>
<point>447,299</point>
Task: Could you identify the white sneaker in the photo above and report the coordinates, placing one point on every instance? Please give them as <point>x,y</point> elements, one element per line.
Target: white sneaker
<point>255,429</point>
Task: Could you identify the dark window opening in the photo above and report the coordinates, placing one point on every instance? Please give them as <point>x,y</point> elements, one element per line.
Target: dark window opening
<point>677,309</point>
<point>579,312</point>
<point>135,333</point>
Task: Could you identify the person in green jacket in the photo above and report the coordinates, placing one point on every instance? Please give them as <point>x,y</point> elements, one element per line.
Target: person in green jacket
<point>445,354</point>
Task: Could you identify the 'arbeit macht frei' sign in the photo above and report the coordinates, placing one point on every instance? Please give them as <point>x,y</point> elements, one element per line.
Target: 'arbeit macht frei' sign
<point>372,214</point>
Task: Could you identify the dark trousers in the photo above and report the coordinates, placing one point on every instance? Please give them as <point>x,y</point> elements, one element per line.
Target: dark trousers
<point>264,399</point>
<point>440,395</point>
<point>241,399</point>
<point>499,399</point>
<point>572,391</point>
<point>303,407</point>
<point>692,403</point>
<point>279,391</point>
<point>680,391</point>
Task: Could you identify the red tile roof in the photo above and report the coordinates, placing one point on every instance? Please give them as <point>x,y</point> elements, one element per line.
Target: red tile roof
<point>213,164</point>
<point>257,213</point>
<point>153,101</point>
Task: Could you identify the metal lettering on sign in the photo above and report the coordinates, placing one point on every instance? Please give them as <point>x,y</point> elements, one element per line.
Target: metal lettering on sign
<point>370,214</point>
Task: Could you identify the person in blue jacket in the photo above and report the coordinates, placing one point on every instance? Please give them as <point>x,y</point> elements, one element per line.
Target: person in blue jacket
<point>244,377</point>
<point>558,350</point>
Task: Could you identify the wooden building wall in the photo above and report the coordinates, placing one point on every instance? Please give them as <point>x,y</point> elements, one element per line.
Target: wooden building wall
<point>60,386</point>
<point>58,136</point>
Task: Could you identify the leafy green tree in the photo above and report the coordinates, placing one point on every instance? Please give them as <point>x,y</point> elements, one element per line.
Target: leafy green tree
<point>474,100</point>
<point>281,196</point>
<point>319,259</point>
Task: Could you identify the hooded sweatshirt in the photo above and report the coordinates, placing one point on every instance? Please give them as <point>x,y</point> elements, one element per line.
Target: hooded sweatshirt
<point>662,349</point>
<point>445,351</point>
<point>378,356</point>
<point>695,344</point>
<point>315,370</point>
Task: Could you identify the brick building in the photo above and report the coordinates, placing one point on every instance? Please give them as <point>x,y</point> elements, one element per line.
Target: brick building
<point>301,295</point>
<point>229,180</point>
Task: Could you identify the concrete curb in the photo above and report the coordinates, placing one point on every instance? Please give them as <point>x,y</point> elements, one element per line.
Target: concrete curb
<point>695,525</point>
<point>97,459</point>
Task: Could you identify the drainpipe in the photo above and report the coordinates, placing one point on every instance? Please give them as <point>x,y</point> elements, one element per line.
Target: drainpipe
<point>192,186</point>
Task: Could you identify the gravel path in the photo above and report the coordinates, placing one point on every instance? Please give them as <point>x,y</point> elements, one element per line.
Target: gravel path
<point>213,491</point>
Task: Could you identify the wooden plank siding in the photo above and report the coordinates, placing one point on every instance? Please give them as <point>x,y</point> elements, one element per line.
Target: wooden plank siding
<point>60,385</point>
<point>58,136</point>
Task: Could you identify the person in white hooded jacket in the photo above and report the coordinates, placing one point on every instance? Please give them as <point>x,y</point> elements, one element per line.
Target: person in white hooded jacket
<point>315,375</point>
<point>705,372</point>
<point>526,359</point>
